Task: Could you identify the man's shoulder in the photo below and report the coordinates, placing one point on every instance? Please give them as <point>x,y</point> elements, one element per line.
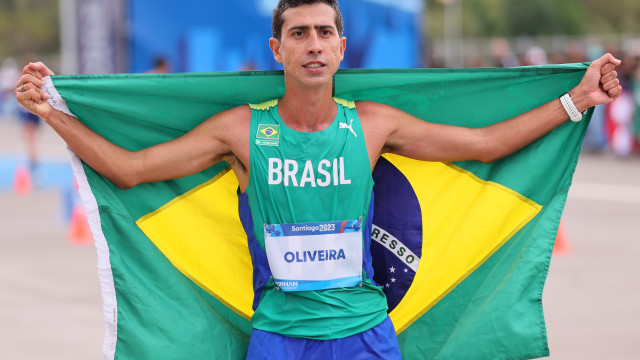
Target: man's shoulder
<point>232,126</point>
<point>372,105</point>
<point>238,113</point>
<point>374,110</point>
<point>229,123</point>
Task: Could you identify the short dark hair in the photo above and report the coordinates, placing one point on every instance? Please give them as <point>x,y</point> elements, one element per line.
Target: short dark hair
<point>277,21</point>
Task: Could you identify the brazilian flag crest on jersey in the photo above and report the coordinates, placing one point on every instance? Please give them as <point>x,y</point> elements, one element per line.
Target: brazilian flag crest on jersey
<point>461,249</point>
<point>268,134</point>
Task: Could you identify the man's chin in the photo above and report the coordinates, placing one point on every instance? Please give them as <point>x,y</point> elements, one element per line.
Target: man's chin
<point>315,81</point>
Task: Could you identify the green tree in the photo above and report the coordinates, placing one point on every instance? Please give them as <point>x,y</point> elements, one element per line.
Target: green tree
<point>613,16</point>
<point>488,18</point>
<point>543,17</point>
<point>29,26</point>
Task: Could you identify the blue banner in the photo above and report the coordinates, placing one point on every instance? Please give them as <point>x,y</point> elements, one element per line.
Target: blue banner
<point>233,35</point>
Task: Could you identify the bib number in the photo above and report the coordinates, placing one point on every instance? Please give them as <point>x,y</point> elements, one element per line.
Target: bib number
<point>315,256</point>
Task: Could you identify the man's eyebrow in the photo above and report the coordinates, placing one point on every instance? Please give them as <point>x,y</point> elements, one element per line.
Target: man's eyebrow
<point>299,27</point>
<point>307,27</point>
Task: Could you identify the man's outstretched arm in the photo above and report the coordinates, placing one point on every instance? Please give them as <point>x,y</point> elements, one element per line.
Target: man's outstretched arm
<point>409,136</point>
<point>193,152</point>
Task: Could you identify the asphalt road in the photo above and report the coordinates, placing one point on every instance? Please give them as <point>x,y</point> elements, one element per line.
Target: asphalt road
<point>50,305</point>
<point>592,295</point>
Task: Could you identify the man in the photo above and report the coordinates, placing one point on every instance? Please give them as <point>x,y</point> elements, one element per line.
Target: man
<point>304,166</point>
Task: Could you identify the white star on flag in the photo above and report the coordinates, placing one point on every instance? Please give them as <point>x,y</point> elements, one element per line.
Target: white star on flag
<point>392,269</point>
<point>393,280</point>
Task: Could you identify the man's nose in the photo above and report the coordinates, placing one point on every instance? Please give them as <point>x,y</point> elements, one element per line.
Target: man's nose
<point>314,44</point>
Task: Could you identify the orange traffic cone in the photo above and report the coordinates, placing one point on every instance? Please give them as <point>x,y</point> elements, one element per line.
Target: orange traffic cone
<point>79,231</point>
<point>22,181</point>
<point>561,246</point>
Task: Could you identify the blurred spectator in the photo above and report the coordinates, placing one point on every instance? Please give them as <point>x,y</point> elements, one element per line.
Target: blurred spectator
<point>248,66</point>
<point>9,74</point>
<point>575,54</point>
<point>615,127</point>
<point>620,114</point>
<point>30,125</point>
<point>632,51</point>
<point>535,55</point>
<point>596,138</point>
<point>160,66</point>
<point>474,62</point>
<point>559,57</point>
<point>635,88</point>
<point>619,120</point>
<point>502,54</point>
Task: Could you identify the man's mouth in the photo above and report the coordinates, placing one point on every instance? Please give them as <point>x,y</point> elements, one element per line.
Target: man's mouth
<point>314,65</point>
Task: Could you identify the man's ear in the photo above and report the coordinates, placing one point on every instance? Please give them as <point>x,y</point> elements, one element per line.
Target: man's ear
<point>343,47</point>
<point>274,44</point>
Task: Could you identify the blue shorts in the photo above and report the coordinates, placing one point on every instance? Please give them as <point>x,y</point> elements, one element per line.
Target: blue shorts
<point>29,118</point>
<point>379,342</point>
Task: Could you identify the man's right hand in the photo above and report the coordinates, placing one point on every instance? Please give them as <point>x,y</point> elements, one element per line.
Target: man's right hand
<point>29,89</point>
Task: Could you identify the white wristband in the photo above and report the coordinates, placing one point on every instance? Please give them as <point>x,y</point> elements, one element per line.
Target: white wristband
<point>570,107</point>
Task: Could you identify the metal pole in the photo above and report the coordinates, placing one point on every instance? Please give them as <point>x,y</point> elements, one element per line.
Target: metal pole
<point>68,37</point>
<point>452,33</point>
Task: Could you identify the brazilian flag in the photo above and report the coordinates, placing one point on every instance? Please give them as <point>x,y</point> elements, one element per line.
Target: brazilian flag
<point>461,249</point>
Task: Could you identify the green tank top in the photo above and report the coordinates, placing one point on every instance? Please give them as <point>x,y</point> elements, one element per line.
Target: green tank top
<point>298,177</point>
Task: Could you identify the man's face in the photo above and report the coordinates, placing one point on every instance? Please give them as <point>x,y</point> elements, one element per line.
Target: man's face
<point>310,48</point>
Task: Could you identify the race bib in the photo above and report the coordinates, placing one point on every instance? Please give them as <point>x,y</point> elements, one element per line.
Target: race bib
<point>315,256</point>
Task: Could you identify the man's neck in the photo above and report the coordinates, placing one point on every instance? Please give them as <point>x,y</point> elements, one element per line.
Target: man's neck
<point>307,110</point>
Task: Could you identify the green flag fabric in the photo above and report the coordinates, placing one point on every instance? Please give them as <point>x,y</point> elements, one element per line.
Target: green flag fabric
<point>173,260</point>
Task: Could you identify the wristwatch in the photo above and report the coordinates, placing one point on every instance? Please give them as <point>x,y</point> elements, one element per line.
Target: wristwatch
<point>571,108</point>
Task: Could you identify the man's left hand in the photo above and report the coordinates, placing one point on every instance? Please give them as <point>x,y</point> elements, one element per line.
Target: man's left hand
<point>600,84</point>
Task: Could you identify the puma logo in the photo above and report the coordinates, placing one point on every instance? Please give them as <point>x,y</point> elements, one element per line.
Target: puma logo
<point>350,127</point>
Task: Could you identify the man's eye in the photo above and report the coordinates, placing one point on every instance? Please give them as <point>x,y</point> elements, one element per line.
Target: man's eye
<point>297,34</point>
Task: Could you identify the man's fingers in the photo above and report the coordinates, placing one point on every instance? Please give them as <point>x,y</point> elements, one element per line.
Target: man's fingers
<point>29,82</point>
<point>33,94</point>
<point>27,96</point>
<point>605,59</point>
<point>610,84</point>
<point>28,70</point>
<point>607,68</point>
<point>41,68</point>
<point>615,92</point>
<point>30,78</point>
<point>609,76</point>
<point>41,93</point>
